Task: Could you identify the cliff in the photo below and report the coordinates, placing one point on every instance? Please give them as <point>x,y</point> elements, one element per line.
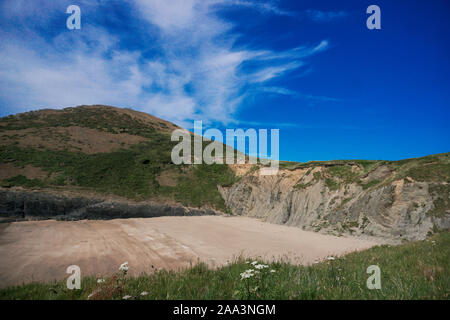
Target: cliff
<point>383,199</point>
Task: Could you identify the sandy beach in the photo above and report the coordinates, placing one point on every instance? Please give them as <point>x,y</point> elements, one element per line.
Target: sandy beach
<point>42,250</point>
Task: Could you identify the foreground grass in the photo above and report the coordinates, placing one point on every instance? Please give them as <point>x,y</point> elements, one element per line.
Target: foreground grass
<point>418,270</point>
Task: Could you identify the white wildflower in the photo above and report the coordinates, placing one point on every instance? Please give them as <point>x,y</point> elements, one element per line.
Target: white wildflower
<point>126,297</point>
<point>124,266</point>
<point>261,266</point>
<point>254,262</point>
<point>100,280</point>
<point>144,293</point>
<point>331,258</point>
<point>272,271</point>
<point>247,274</point>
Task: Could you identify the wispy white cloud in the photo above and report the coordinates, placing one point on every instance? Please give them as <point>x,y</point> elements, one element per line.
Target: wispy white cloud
<point>196,73</point>
<point>296,94</point>
<point>44,75</point>
<point>272,7</point>
<point>265,7</point>
<point>269,73</point>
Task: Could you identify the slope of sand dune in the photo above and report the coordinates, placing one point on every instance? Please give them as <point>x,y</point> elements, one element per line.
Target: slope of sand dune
<point>42,250</point>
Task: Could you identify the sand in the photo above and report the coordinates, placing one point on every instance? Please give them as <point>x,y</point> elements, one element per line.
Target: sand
<point>42,250</point>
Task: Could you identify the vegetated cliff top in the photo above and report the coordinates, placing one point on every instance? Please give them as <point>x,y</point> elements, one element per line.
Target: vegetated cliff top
<point>432,168</point>
<point>109,150</point>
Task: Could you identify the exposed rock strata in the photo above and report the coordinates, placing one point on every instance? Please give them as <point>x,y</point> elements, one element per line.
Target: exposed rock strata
<point>396,210</point>
<point>27,205</point>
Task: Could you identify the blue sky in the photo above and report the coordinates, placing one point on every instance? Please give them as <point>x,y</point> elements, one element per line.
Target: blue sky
<point>335,89</point>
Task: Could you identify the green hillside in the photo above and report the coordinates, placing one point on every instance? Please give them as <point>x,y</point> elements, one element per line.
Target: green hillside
<point>136,171</point>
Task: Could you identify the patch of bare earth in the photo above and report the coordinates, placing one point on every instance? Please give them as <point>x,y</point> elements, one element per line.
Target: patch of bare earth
<point>164,126</point>
<point>8,170</point>
<point>380,173</point>
<point>241,169</point>
<point>72,138</point>
<point>42,250</point>
<point>168,178</point>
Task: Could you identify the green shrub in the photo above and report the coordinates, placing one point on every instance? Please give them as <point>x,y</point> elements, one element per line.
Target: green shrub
<point>370,184</point>
<point>23,181</point>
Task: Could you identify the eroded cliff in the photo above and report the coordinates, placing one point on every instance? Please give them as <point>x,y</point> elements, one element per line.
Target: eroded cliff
<point>382,199</point>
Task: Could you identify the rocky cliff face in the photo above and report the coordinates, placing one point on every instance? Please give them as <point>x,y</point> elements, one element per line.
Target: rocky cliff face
<point>375,204</point>
<point>18,205</point>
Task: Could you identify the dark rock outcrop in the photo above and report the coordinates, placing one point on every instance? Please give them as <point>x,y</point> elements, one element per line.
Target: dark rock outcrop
<point>27,205</point>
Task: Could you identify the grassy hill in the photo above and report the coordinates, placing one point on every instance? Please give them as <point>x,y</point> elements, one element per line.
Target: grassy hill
<point>106,150</point>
